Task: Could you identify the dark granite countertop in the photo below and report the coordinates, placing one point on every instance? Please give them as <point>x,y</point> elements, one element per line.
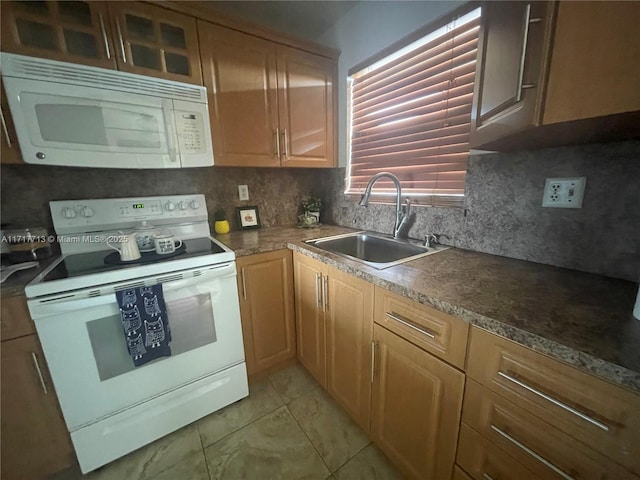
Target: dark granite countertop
<point>14,285</point>
<point>582,319</point>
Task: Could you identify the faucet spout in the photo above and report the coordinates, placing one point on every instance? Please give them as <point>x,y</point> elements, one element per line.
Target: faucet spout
<point>400,216</point>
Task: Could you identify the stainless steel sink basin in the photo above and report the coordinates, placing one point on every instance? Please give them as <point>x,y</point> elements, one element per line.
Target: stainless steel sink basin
<point>374,249</point>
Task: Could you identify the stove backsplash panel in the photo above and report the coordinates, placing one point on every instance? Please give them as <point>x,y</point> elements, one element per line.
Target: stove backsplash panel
<point>27,189</point>
<point>503,214</point>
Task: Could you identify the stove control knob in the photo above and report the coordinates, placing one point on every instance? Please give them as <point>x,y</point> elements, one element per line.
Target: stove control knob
<point>86,211</point>
<point>194,204</point>
<point>68,212</point>
<point>183,205</point>
<point>169,206</point>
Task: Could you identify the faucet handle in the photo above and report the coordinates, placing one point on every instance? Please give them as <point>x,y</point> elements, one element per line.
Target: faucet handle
<point>431,239</point>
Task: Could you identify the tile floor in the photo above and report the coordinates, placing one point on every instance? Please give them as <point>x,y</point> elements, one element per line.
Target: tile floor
<point>287,428</point>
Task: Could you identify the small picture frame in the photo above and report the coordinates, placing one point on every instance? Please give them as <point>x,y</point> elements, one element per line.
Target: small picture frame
<point>248,217</point>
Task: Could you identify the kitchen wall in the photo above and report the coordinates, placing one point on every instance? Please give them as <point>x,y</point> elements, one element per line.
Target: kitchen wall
<point>27,189</point>
<point>503,214</point>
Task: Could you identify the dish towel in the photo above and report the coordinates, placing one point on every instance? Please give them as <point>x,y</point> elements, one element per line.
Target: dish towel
<point>145,323</point>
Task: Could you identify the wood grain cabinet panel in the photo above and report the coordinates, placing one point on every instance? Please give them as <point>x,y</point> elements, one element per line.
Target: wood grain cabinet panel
<point>349,330</point>
<point>436,332</point>
<point>310,319</point>
<point>305,101</point>
<point>156,42</point>
<point>265,283</point>
<point>35,441</point>
<point>15,320</point>
<point>76,32</point>
<point>416,405</point>
<point>241,80</point>
<point>459,474</point>
<point>334,319</point>
<point>539,446</point>
<point>483,460</point>
<point>598,414</point>
<point>555,73</point>
<point>270,105</point>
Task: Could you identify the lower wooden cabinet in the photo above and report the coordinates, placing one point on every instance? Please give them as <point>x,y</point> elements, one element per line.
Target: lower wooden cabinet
<point>416,405</point>
<point>265,286</point>
<point>35,441</point>
<point>310,320</point>
<point>334,314</point>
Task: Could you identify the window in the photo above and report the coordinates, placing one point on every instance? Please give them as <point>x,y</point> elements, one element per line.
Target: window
<point>410,115</point>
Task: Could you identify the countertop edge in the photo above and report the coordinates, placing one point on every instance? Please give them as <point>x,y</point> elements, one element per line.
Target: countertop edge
<point>610,372</point>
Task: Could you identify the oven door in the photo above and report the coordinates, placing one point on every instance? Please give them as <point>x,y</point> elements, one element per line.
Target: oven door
<point>84,344</point>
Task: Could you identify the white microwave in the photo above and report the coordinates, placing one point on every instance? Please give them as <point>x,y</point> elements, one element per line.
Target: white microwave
<point>74,115</point>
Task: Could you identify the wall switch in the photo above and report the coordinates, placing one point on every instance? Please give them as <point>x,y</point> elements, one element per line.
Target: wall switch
<point>564,192</point>
<point>243,192</point>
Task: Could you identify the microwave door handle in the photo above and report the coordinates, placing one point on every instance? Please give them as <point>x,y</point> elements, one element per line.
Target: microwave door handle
<point>170,122</point>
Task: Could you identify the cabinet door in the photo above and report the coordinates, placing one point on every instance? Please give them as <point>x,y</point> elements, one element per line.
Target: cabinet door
<point>266,306</point>
<point>416,406</point>
<point>156,42</point>
<point>15,320</point>
<point>511,70</point>
<point>75,32</point>
<point>9,148</point>
<point>594,66</point>
<point>305,102</point>
<point>35,441</point>
<point>310,323</point>
<point>240,76</point>
<point>349,320</point>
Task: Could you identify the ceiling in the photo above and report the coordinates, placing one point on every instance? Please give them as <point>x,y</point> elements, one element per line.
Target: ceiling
<point>308,19</point>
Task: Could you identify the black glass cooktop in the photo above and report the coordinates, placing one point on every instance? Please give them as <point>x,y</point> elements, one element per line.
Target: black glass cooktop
<point>93,262</point>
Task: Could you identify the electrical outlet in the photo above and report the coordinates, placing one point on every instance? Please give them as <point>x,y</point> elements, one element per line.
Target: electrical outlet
<point>243,192</point>
<point>564,192</point>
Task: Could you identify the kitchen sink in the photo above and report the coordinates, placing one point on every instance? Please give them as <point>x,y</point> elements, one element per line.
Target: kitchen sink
<point>378,250</point>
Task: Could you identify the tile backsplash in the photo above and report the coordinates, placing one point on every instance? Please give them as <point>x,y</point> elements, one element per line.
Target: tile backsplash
<point>503,214</point>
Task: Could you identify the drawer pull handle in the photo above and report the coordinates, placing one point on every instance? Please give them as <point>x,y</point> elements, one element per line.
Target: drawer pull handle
<point>373,360</point>
<point>532,453</point>
<point>34,357</point>
<point>486,476</point>
<point>535,391</point>
<point>317,290</point>
<point>404,321</point>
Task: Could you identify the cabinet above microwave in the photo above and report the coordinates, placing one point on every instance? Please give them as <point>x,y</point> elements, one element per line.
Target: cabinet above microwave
<point>73,115</point>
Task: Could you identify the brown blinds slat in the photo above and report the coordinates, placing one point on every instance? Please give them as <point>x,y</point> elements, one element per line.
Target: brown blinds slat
<point>411,116</point>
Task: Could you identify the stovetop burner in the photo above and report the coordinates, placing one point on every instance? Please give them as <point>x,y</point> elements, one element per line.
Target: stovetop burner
<point>93,262</point>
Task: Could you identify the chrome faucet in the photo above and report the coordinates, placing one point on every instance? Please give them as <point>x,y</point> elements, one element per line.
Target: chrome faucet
<point>401,217</point>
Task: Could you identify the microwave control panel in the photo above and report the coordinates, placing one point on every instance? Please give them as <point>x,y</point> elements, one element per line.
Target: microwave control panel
<point>191,135</point>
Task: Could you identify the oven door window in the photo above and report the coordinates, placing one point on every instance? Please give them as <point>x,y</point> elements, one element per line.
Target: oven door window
<point>192,324</point>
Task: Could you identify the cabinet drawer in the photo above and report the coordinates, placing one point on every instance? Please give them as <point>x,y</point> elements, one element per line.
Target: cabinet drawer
<point>438,333</point>
<point>599,414</point>
<point>540,447</point>
<point>15,320</point>
<point>484,460</point>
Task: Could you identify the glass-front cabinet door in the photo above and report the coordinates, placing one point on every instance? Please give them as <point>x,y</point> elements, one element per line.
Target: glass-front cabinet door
<point>69,31</point>
<point>157,42</point>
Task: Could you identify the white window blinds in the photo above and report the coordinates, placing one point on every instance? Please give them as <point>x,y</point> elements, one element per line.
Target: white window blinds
<point>410,115</point>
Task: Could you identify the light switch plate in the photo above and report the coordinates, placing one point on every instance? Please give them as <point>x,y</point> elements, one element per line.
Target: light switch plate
<point>243,192</point>
<point>564,192</point>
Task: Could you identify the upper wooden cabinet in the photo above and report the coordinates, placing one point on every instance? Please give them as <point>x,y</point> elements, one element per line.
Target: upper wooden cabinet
<point>270,105</point>
<point>554,73</point>
<point>75,32</point>
<point>130,36</point>
<point>9,148</point>
<point>156,42</point>
<point>265,283</point>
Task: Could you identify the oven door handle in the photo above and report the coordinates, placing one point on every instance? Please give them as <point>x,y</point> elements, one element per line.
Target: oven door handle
<point>61,305</point>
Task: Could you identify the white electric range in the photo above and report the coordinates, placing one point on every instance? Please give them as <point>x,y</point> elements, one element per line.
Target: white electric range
<point>110,406</point>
